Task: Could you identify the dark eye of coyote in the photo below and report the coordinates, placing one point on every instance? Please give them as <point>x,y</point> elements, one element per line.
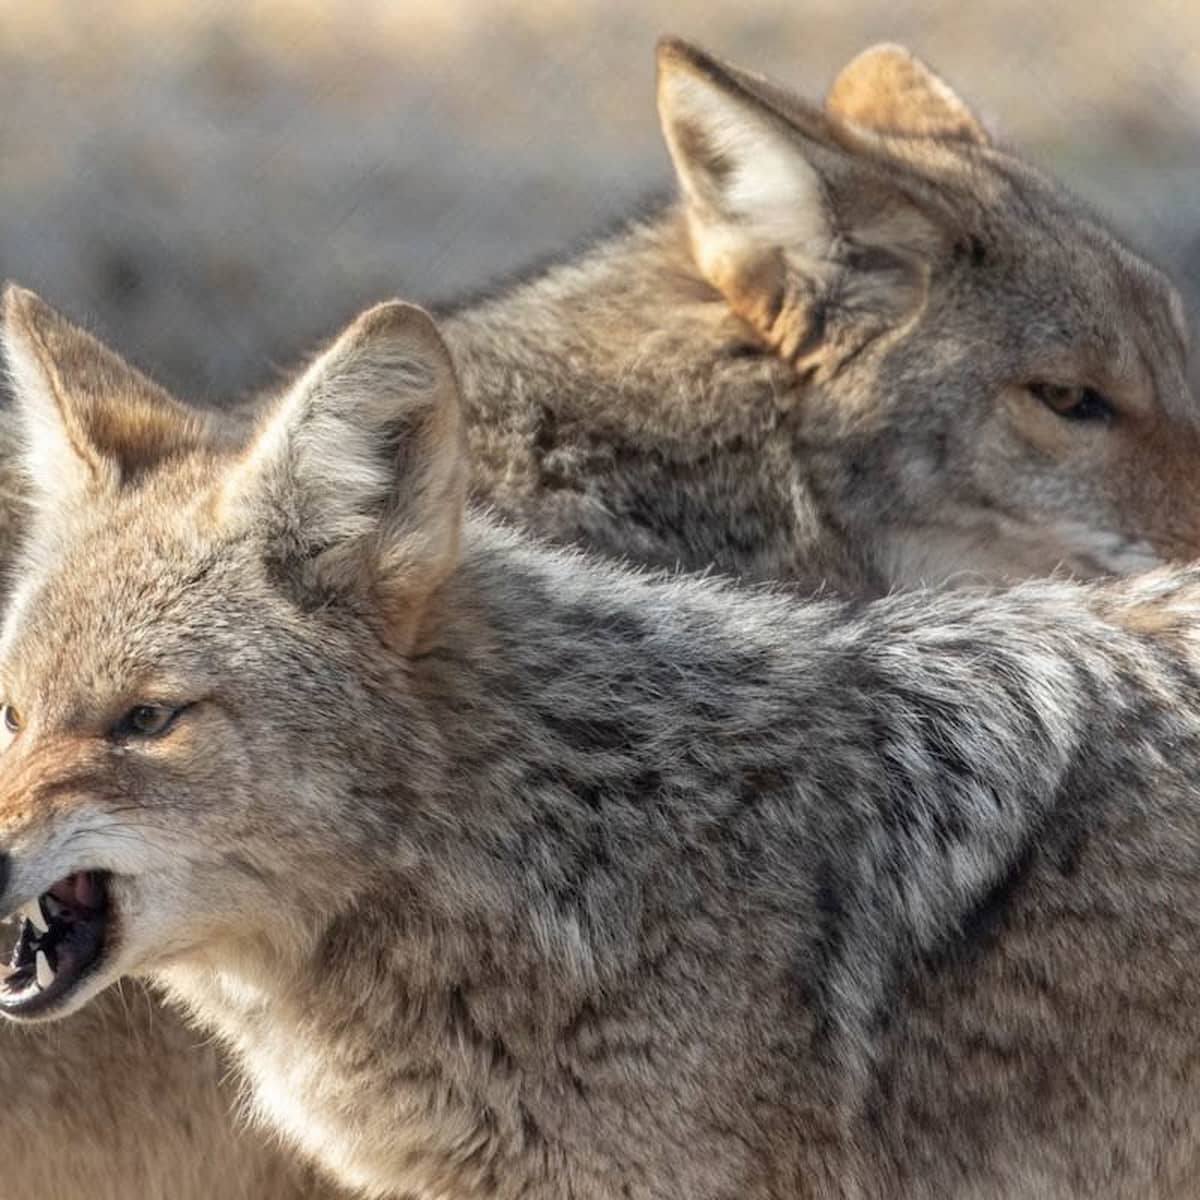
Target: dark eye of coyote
<point>1073,403</point>
<point>146,720</point>
<point>12,719</point>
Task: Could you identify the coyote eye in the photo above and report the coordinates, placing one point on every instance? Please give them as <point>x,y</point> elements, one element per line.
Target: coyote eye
<point>1073,403</point>
<point>146,720</point>
<point>12,726</point>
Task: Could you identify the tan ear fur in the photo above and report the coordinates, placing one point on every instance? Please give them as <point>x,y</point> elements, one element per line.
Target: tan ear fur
<point>357,479</point>
<point>888,90</point>
<point>785,212</point>
<point>92,422</point>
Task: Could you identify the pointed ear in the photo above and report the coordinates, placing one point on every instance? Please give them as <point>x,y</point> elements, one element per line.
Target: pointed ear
<point>799,225</point>
<point>889,90</point>
<point>92,423</point>
<point>357,480</point>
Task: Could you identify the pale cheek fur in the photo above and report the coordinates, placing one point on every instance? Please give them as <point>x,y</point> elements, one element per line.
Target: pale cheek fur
<point>1114,552</point>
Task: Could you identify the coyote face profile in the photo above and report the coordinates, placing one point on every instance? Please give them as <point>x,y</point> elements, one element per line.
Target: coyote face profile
<point>869,349</point>
<point>471,848</point>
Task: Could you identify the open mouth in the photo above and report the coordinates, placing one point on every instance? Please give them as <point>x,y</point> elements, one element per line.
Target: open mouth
<point>62,937</point>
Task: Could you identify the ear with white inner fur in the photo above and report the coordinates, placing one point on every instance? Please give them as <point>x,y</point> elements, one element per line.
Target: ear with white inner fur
<point>792,224</point>
<point>888,90</point>
<point>92,423</point>
<point>357,480</point>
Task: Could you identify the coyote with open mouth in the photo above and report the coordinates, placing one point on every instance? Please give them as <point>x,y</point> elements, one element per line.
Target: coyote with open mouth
<point>507,873</point>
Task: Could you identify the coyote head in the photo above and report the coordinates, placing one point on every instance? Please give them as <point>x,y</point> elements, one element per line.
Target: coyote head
<point>994,382</point>
<point>205,640</point>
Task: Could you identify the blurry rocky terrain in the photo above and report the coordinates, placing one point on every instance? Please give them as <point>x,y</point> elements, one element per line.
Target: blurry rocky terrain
<point>211,186</point>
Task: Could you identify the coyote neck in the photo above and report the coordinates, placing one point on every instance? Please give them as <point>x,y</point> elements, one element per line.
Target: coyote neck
<point>617,403</point>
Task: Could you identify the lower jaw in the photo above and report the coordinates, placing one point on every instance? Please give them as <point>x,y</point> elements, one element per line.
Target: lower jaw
<point>44,1007</point>
<point>60,948</point>
<point>34,1003</point>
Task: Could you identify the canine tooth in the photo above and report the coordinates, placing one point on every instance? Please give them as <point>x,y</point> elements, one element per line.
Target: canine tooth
<point>32,912</point>
<point>45,972</point>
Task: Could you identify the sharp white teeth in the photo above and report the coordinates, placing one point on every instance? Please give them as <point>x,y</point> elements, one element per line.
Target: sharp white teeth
<point>45,972</point>
<point>32,912</point>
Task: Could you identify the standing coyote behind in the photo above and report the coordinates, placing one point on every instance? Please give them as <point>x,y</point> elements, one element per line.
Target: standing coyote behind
<point>990,384</point>
<point>507,873</point>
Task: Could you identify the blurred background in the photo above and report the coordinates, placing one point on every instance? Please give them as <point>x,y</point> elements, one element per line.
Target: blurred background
<point>210,186</point>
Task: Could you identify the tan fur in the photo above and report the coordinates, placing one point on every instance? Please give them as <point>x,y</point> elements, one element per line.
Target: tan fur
<point>88,424</point>
<point>129,1103</point>
<point>889,90</point>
